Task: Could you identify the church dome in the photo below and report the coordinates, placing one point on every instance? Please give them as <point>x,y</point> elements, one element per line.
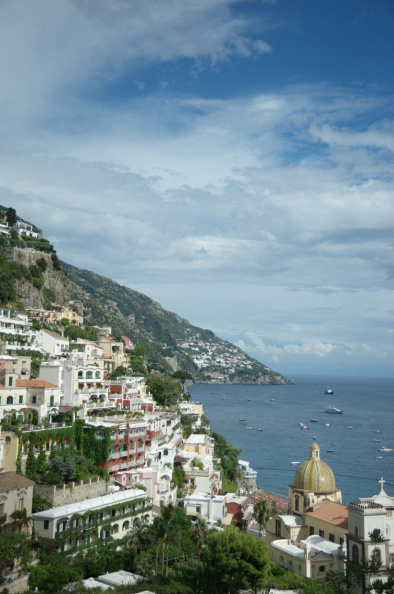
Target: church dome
<point>314,474</point>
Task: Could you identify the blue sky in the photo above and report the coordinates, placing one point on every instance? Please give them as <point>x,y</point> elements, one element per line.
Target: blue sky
<point>232,160</point>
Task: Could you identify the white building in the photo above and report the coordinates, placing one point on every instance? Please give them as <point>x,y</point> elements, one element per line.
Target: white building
<point>52,343</point>
<point>311,558</point>
<point>78,525</point>
<point>82,384</point>
<point>366,516</point>
<point>210,507</point>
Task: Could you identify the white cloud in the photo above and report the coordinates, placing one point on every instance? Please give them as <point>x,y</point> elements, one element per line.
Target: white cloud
<point>275,205</point>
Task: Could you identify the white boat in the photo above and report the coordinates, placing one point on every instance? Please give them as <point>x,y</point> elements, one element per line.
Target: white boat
<point>260,429</point>
<point>249,427</point>
<point>329,391</point>
<point>383,449</point>
<point>378,440</point>
<point>295,463</point>
<point>327,424</point>
<point>333,410</point>
<point>378,457</point>
<point>349,427</point>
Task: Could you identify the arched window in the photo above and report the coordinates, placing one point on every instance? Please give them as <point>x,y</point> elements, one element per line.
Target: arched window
<point>8,440</point>
<point>80,375</point>
<point>89,374</point>
<point>115,529</point>
<point>126,525</point>
<point>98,374</point>
<point>355,553</point>
<point>376,555</point>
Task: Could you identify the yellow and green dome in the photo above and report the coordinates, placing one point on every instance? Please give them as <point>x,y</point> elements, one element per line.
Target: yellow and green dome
<point>314,474</point>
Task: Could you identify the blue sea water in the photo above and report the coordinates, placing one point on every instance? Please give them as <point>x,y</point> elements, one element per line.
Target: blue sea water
<point>368,408</point>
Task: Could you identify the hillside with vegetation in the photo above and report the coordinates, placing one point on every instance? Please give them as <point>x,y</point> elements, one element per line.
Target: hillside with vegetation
<point>31,275</point>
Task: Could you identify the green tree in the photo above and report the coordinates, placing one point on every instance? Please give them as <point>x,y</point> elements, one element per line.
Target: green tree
<point>118,372</point>
<point>238,557</point>
<point>178,476</point>
<point>13,546</point>
<point>165,390</point>
<point>11,216</point>
<point>182,376</point>
<point>228,456</point>
<point>63,465</point>
<point>261,514</point>
<point>199,535</point>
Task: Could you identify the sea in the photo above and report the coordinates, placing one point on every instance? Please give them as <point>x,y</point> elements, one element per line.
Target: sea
<point>271,437</point>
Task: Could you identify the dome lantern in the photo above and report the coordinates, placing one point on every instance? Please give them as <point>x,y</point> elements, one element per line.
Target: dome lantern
<point>314,474</point>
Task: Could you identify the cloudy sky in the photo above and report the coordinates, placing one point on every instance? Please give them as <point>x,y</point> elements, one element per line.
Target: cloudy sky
<point>230,159</point>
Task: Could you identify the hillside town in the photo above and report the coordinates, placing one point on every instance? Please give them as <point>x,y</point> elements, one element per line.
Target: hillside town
<point>148,455</point>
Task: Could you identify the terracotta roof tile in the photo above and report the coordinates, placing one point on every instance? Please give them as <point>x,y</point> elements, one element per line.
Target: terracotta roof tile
<point>10,480</point>
<point>331,512</point>
<point>34,384</point>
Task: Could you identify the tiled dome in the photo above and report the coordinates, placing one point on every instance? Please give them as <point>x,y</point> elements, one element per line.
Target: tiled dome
<point>314,474</point>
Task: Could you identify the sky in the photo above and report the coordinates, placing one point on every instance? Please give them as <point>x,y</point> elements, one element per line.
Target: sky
<point>233,160</point>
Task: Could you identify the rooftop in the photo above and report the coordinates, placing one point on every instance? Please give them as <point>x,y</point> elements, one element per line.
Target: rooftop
<point>90,504</point>
<point>331,512</point>
<point>10,481</point>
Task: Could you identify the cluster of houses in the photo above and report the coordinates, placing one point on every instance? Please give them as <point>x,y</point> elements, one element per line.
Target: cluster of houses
<point>316,534</point>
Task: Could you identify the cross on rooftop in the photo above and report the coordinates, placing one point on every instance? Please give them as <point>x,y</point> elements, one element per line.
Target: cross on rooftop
<point>381,483</point>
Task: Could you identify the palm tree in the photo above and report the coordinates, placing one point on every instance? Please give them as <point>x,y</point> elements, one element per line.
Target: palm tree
<point>138,538</point>
<point>199,533</point>
<point>157,530</point>
<point>261,514</point>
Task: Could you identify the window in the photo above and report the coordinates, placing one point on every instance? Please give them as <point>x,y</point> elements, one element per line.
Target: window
<point>322,568</point>
<point>297,503</point>
<point>331,538</point>
<point>21,504</point>
<point>113,513</point>
<point>20,399</point>
<point>46,524</point>
<point>34,399</point>
<point>10,381</point>
<point>311,531</point>
<point>277,527</point>
<point>356,530</point>
<point>376,556</point>
<point>341,541</point>
<point>166,452</point>
<point>321,533</point>
<point>51,400</point>
<point>355,553</point>
<point>10,400</point>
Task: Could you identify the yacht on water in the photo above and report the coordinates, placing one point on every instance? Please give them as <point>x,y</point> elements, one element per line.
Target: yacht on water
<point>333,410</point>
<point>329,391</point>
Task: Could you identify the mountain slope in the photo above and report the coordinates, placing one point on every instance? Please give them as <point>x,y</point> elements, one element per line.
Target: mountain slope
<point>36,278</point>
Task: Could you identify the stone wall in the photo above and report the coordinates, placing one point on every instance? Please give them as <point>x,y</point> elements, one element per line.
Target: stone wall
<point>73,492</point>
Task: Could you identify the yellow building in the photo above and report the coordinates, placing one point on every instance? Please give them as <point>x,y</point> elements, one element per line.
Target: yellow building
<point>315,509</point>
